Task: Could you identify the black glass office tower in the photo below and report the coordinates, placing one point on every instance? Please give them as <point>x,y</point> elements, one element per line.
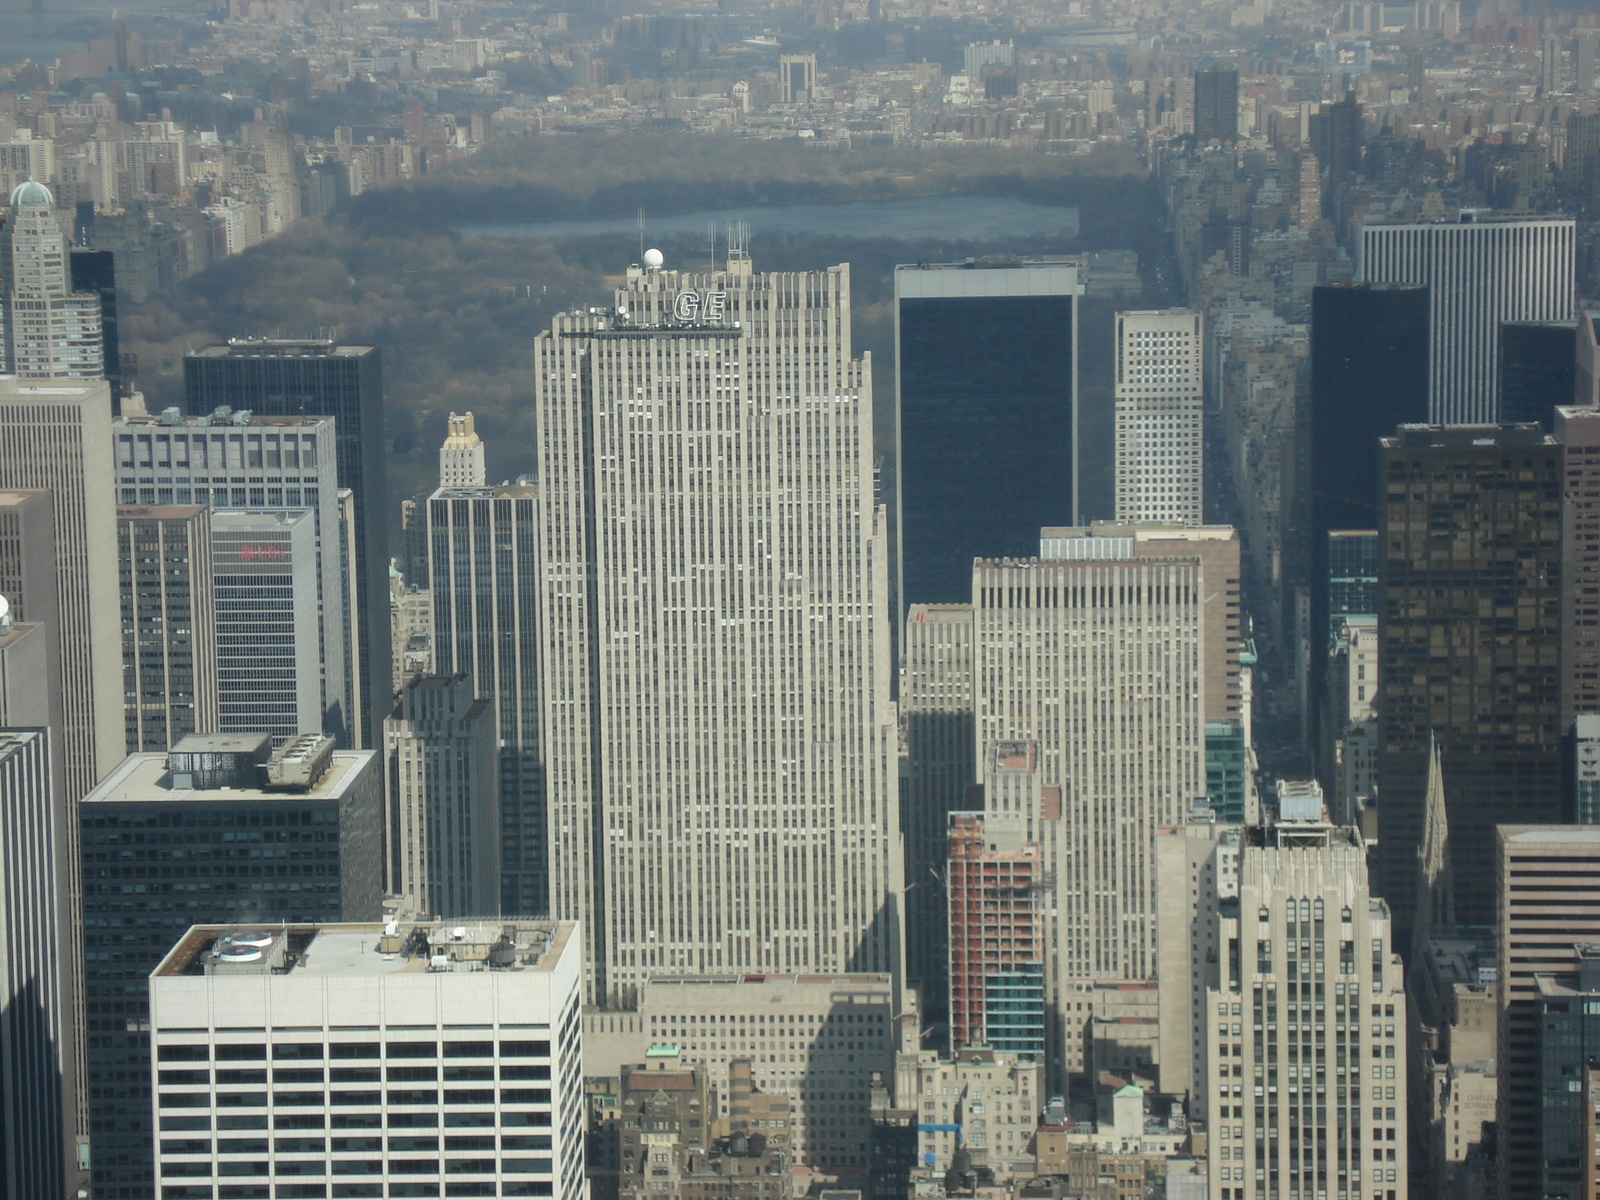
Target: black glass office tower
<point>481,546</point>
<point>986,368</point>
<point>1369,373</point>
<point>1352,575</point>
<point>214,832</point>
<point>1538,369</point>
<point>1216,105</point>
<point>96,271</point>
<point>278,378</point>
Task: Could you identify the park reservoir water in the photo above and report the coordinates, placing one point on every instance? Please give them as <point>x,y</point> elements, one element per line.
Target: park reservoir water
<point>942,218</point>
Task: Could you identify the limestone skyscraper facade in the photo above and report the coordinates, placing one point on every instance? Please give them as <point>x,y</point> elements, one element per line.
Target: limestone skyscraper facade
<point>1089,703</point>
<point>1310,960</point>
<point>461,456</point>
<point>718,733</point>
<point>56,437</point>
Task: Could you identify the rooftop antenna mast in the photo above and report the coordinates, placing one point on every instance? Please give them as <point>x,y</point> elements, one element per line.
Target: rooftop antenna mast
<point>641,235</point>
<point>738,241</point>
<point>711,243</point>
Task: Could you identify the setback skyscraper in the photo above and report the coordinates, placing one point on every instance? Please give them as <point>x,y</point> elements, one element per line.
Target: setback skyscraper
<point>443,795</point>
<point>1469,647</point>
<point>718,733</point>
<point>1479,271</point>
<point>47,329</point>
<point>986,402</point>
<point>1310,957</point>
<point>1090,727</point>
<point>287,378</point>
<point>461,456</point>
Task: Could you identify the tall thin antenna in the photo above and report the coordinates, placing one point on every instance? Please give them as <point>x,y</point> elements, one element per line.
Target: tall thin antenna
<point>641,235</point>
<point>738,241</point>
<point>711,243</point>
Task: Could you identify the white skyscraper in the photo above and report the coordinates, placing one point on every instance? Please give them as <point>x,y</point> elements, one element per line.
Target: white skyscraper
<point>1479,272</point>
<point>269,650</point>
<point>56,437</point>
<point>718,734</point>
<point>47,330</point>
<point>1305,1037</point>
<point>489,1009</point>
<point>1089,690</point>
<point>461,456</point>
<point>1159,401</point>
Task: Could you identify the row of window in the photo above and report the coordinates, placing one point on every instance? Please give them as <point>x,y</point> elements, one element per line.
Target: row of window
<point>320,1191</point>
<point>203,1168</point>
<point>347,1145</point>
<point>302,1122</point>
<point>315,1051</point>
<point>420,1074</point>
<point>354,1098</point>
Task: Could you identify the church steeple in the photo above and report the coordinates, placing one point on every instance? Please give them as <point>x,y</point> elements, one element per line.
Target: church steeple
<point>1435,906</point>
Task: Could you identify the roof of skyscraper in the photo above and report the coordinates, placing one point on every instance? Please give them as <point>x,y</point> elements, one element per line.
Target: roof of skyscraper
<point>31,192</point>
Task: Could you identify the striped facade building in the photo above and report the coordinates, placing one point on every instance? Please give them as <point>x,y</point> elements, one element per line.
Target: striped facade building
<point>1479,273</point>
<point>718,732</point>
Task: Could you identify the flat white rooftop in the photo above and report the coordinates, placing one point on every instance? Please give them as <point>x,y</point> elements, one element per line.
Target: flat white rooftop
<point>144,779</point>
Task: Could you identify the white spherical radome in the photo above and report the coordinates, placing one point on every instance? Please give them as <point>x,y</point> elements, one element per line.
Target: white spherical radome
<point>653,258</point>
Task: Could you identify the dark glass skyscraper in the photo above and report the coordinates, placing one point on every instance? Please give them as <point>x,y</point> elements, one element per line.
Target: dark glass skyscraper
<point>1469,645</point>
<point>482,555</point>
<point>322,378</point>
<point>986,369</point>
<point>96,271</point>
<point>210,833</point>
<point>1352,575</point>
<point>1369,373</point>
<point>1538,369</point>
<point>1216,105</point>
<point>1337,134</point>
